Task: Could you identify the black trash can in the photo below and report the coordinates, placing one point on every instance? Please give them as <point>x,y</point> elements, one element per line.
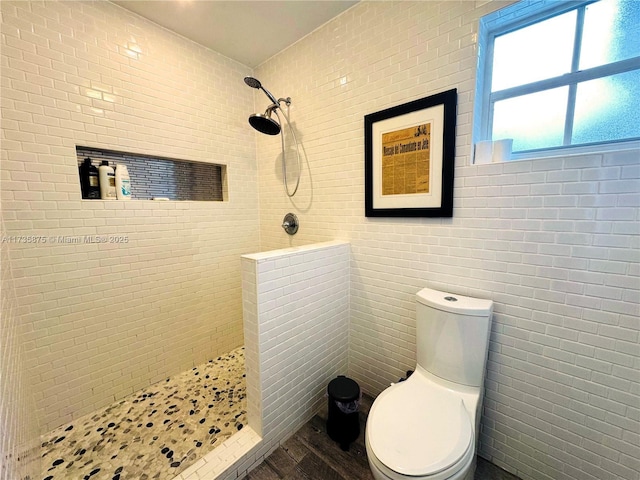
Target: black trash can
<point>343,424</point>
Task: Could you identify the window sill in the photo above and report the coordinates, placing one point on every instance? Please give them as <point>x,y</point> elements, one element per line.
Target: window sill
<point>579,150</point>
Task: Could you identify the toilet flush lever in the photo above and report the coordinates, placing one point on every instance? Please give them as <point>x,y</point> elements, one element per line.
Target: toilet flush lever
<point>290,223</point>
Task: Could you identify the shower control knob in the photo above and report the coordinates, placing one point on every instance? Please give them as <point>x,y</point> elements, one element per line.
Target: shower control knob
<point>290,223</point>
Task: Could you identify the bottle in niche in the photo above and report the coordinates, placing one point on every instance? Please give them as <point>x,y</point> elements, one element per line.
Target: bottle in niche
<point>89,183</point>
<point>123,182</point>
<point>107,179</point>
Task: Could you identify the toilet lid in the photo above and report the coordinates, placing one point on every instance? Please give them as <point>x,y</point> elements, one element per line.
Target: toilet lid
<point>417,429</point>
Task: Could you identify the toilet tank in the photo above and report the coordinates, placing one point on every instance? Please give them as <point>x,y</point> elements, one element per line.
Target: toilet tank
<point>452,335</point>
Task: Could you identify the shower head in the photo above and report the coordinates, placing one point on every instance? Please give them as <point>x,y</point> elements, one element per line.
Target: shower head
<point>267,125</point>
<point>252,82</point>
<point>255,83</point>
<point>264,123</point>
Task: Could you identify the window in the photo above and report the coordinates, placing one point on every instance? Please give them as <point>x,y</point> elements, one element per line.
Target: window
<point>559,75</point>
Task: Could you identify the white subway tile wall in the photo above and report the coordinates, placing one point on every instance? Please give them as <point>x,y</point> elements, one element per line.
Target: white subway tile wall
<point>19,454</point>
<point>101,319</point>
<point>302,304</point>
<point>554,243</point>
<point>296,307</point>
<point>251,336</point>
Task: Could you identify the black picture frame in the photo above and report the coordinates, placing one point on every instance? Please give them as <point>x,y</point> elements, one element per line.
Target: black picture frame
<point>438,114</point>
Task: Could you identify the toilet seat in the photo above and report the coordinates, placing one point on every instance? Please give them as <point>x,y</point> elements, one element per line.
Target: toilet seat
<point>417,429</point>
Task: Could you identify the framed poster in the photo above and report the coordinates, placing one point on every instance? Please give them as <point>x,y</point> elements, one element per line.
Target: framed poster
<point>409,158</point>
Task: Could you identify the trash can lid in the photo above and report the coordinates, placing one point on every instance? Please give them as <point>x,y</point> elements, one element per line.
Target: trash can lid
<point>343,389</point>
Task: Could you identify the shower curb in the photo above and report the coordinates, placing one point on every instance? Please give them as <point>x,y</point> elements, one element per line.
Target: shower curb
<point>228,458</point>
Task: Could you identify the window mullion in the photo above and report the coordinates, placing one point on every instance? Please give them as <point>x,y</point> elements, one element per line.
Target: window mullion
<point>487,111</point>
<point>593,73</point>
<point>573,87</point>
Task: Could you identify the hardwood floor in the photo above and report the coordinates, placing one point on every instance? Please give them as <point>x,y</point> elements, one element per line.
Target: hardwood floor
<point>311,455</point>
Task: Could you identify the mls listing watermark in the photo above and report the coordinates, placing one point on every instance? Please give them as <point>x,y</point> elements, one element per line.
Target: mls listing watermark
<point>63,239</point>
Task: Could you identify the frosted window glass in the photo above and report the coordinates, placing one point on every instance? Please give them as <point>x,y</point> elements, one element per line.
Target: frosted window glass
<point>533,121</point>
<point>608,109</point>
<point>536,52</point>
<point>611,32</point>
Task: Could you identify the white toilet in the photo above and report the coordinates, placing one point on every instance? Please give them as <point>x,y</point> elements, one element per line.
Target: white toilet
<point>426,427</point>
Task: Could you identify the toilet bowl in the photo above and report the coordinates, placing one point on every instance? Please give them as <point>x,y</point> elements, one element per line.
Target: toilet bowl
<point>422,429</point>
<point>425,428</point>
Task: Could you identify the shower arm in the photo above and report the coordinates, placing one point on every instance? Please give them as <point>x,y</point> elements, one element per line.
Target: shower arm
<point>276,104</point>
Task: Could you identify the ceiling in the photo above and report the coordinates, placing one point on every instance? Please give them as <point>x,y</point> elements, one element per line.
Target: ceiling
<point>247,31</point>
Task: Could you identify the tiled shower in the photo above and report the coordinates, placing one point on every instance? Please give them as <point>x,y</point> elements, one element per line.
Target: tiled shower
<point>553,242</point>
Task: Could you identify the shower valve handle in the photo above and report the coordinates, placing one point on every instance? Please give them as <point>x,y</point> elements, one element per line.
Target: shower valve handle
<point>290,223</point>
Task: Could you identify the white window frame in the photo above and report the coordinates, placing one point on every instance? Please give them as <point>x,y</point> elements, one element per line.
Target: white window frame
<point>515,17</point>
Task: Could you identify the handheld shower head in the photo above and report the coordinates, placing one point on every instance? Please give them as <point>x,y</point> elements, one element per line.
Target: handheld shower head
<point>252,82</point>
<point>255,83</point>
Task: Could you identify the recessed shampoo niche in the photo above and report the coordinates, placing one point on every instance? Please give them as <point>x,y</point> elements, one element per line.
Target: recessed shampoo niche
<point>148,177</point>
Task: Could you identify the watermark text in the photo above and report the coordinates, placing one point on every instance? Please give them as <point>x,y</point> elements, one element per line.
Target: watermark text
<point>63,239</point>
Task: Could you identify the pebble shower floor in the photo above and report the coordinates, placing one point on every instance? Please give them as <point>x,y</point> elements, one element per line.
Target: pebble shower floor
<point>156,432</point>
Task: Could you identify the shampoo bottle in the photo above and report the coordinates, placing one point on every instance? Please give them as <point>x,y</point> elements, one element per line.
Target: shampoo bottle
<point>107,181</point>
<point>123,183</point>
<point>89,180</point>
